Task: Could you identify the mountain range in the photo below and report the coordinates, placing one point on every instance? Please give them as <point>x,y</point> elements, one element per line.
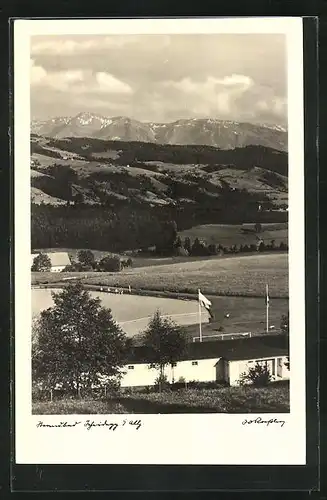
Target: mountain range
<point>222,134</point>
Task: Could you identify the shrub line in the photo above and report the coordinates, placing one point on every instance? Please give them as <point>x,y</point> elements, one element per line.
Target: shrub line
<point>157,293</point>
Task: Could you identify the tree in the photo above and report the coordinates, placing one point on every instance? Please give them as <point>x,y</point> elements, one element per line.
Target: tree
<point>78,199</point>
<point>187,244</point>
<point>198,248</point>
<point>110,263</point>
<point>76,342</point>
<point>178,243</point>
<point>41,263</point>
<point>165,341</point>
<point>212,249</point>
<point>166,238</point>
<point>64,176</point>
<point>260,246</point>
<point>284,323</point>
<point>181,252</point>
<point>86,257</point>
<point>259,375</point>
<point>284,326</point>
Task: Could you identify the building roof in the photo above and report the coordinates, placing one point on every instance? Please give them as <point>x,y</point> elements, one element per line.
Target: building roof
<point>237,349</point>
<point>56,258</point>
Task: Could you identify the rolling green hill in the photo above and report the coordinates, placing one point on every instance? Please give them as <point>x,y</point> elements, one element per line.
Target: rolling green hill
<point>77,182</point>
<point>151,174</point>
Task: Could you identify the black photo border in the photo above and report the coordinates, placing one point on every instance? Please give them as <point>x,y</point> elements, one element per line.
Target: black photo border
<point>187,478</point>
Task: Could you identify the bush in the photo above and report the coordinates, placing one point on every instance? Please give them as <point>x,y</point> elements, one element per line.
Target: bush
<point>258,227</point>
<point>261,247</point>
<point>77,267</point>
<point>41,263</point>
<point>212,249</point>
<point>110,263</point>
<point>198,248</point>
<point>161,383</point>
<point>86,257</point>
<point>39,394</point>
<point>181,252</point>
<point>259,376</point>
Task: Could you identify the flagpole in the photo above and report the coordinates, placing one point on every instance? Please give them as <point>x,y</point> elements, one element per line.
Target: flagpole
<point>267,309</point>
<point>200,323</point>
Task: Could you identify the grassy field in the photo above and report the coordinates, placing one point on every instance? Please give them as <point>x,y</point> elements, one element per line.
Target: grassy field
<point>132,312</point>
<point>228,235</point>
<point>272,399</point>
<point>246,314</point>
<point>75,406</point>
<point>234,276</point>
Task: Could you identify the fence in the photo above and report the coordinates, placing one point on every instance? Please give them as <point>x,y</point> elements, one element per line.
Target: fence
<point>222,336</point>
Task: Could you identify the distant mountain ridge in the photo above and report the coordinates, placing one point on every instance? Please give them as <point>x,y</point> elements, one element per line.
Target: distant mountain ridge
<point>223,134</point>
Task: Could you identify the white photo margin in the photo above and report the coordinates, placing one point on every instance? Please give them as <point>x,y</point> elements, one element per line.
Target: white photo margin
<point>208,439</point>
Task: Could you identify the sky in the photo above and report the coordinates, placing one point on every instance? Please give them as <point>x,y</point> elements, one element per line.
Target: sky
<point>161,78</point>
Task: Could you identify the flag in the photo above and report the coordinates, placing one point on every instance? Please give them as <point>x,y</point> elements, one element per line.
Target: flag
<point>204,302</point>
<point>267,297</point>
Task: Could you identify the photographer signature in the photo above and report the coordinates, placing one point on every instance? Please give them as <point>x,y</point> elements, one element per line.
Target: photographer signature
<point>260,420</point>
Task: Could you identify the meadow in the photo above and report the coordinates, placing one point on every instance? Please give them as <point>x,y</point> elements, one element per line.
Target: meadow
<point>245,314</point>
<point>271,399</point>
<point>244,276</point>
<point>237,234</point>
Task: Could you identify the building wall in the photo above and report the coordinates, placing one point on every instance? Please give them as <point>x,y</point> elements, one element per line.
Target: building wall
<point>222,372</point>
<point>203,371</point>
<point>206,370</point>
<point>57,269</point>
<point>276,367</point>
<point>142,375</point>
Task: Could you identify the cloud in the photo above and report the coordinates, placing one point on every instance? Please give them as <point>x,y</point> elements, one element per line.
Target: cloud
<point>274,104</point>
<point>211,84</point>
<point>64,46</point>
<point>239,80</point>
<point>161,77</point>
<point>108,83</point>
<point>61,80</point>
<point>77,81</point>
<point>37,73</point>
<point>219,93</point>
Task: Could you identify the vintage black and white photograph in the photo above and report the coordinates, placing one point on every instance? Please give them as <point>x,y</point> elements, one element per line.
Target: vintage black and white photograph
<point>163,222</point>
<point>159,224</point>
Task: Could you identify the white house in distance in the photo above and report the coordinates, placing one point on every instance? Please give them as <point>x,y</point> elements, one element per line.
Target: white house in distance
<point>221,361</point>
<point>59,260</point>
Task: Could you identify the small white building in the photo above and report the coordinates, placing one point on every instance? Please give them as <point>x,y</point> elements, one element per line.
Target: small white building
<point>59,260</point>
<point>213,361</point>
